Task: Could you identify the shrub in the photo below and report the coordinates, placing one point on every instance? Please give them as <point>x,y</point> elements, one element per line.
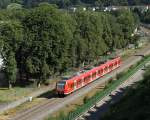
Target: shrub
<point>85,99</point>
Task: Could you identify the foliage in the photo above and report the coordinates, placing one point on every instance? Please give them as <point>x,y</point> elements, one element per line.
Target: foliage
<point>46,41</point>
<point>10,36</point>
<point>119,75</point>
<point>138,109</point>
<point>14,6</point>
<point>11,68</point>
<point>68,3</point>
<point>100,95</point>
<point>85,99</point>
<point>143,15</point>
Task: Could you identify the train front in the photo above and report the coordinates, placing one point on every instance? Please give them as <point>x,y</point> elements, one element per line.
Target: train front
<point>60,88</point>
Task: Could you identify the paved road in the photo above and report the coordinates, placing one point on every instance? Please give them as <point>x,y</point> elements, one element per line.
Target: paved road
<point>102,106</point>
<point>54,104</point>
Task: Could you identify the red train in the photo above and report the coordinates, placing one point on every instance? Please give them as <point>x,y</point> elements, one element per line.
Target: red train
<point>69,85</point>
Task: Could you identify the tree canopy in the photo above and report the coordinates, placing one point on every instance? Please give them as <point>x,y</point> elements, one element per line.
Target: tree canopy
<point>66,3</point>
<point>45,40</point>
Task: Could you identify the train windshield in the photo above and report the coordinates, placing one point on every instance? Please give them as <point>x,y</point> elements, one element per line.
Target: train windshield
<point>61,84</point>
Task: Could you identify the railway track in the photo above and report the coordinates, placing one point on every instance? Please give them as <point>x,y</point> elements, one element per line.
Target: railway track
<point>54,104</point>
<point>35,110</point>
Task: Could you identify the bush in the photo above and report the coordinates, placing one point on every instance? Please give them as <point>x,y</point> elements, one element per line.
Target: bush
<point>110,80</point>
<point>119,75</point>
<point>85,99</point>
<point>47,82</point>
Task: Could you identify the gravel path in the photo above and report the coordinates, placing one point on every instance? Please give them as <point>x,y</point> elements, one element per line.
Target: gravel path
<point>44,109</point>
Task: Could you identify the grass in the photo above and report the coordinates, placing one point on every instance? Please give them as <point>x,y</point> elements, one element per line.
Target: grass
<point>76,103</point>
<point>9,95</point>
<point>25,106</point>
<point>130,52</point>
<point>111,85</point>
<point>126,109</point>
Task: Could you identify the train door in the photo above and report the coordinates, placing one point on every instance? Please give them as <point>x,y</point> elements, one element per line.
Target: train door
<point>108,69</point>
<point>110,66</point>
<point>105,69</point>
<point>75,84</point>
<point>82,81</point>
<point>113,66</point>
<point>79,83</point>
<point>91,76</point>
<point>116,64</point>
<point>119,62</point>
<point>96,74</point>
<point>102,71</point>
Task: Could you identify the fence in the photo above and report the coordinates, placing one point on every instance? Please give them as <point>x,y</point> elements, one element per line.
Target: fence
<point>92,101</point>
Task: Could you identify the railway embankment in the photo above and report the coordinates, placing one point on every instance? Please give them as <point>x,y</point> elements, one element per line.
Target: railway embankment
<point>100,95</point>
<point>135,103</point>
<point>127,63</point>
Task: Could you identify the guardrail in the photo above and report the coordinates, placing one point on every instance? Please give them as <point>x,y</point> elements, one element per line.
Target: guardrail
<point>100,95</point>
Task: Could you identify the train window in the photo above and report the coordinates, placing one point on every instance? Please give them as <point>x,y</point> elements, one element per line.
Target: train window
<point>99,72</point>
<point>111,66</point>
<point>61,84</point>
<point>85,79</point>
<point>114,64</point>
<point>79,82</point>
<point>105,68</point>
<point>94,75</point>
<point>89,77</point>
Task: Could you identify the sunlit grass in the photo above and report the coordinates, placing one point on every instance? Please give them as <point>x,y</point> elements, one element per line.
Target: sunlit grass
<point>8,95</point>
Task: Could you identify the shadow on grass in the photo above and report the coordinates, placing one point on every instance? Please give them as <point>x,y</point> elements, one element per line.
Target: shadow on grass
<point>50,94</point>
<point>4,88</point>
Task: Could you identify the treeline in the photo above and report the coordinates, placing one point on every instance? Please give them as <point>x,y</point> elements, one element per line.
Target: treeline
<point>135,104</point>
<point>44,41</point>
<point>67,3</point>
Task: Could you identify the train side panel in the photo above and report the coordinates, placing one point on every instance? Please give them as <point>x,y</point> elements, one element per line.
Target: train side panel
<point>85,78</point>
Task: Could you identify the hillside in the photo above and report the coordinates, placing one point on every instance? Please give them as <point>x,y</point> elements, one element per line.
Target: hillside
<point>134,105</point>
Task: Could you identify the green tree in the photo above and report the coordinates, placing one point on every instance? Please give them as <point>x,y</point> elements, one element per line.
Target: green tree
<point>11,69</point>
<point>49,35</point>
<point>11,36</point>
